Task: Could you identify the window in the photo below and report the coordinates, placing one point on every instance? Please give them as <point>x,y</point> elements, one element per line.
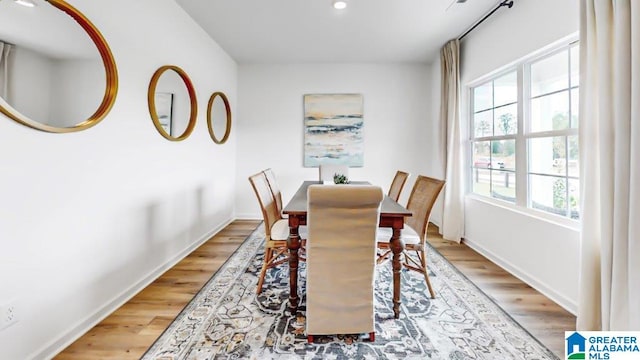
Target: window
<point>524,138</point>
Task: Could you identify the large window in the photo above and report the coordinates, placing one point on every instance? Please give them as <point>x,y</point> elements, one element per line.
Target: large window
<point>524,138</point>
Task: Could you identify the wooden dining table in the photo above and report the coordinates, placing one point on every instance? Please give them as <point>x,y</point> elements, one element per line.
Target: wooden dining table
<point>392,215</point>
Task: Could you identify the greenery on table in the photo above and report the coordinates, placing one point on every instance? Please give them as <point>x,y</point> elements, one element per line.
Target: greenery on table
<point>340,179</point>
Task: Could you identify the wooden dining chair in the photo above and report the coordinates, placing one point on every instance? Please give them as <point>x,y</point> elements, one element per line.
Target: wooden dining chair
<point>341,259</point>
<point>397,184</point>
<point>275,190</point>
<point>327,171</point>
<point>414,234</point>
<point>276,228</point>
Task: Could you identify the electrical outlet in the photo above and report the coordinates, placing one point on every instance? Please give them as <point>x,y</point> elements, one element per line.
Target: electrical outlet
<point>8,314</point>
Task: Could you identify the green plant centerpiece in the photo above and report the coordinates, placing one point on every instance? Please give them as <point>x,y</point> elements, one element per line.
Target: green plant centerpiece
<point>340,179</point>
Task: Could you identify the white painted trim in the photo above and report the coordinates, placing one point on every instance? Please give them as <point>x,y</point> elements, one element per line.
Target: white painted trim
<point>54,347</point>
<point>248,217</point>
<point>532,281</point>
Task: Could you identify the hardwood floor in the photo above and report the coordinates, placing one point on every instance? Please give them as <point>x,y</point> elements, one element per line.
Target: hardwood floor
<point>130,330</point>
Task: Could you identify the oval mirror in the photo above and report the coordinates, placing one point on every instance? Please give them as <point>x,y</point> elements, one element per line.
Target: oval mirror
<point>57,73</point>
<point>172,103</point>
<point>219,117</point>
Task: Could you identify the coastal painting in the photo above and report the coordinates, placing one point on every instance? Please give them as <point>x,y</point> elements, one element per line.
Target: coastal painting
<point>333,130</point>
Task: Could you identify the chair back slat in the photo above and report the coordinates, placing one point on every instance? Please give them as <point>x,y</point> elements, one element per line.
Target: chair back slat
<point>398,184</point>
<point>270,213</point>
<point>275,189</point>
<point>423,195</point>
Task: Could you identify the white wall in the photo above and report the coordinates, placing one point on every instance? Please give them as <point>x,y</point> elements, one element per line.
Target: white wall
<point>89,218</point>
<point>397,123</point>
<point>541,252</point>
<point>30,82</point>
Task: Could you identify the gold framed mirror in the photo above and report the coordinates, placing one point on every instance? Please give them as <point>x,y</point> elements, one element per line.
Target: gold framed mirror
<point>219,117</point>
<point>172,103</point>
<point>61,76</point>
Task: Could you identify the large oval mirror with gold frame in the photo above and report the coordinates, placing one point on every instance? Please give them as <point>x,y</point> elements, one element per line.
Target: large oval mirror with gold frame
<point>172,103</point>
<point>219,117</point>
<point>57,73</point>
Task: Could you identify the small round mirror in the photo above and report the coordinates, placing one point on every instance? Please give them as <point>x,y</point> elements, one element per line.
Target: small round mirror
<point>219,117</point>
<point>172,103</point>
<point>57,73</point>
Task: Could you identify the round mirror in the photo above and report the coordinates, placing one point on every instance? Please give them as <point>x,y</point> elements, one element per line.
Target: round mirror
<point>219,117</point>
<point>172,103</point>
<point>57,73</point>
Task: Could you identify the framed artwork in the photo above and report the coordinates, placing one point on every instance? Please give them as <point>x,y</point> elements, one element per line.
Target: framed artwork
<point>333,130</point>
<point>164,108</point>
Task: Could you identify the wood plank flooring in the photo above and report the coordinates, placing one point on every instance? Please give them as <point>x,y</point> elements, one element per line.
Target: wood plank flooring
<point>130,330</point>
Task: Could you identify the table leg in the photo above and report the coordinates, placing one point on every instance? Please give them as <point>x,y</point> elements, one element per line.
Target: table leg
<point>293,244</point>
<point>397,247</point>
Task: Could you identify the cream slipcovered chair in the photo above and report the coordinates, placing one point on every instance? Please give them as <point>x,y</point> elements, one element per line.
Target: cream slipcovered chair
<point>327,171</point>
<point>398,184</point>
<point>276,228</point>
<point>414,235</point>
<point>341,256</point>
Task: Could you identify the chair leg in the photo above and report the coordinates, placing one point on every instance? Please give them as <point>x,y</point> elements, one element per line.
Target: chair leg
<point>310,339</point>
<point>265,266</point>
<point>423,259</point>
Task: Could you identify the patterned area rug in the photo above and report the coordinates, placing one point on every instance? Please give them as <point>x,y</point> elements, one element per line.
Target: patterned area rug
<point>226,320</point>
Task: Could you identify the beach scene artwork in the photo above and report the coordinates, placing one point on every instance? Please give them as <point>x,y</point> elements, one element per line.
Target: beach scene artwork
<point>333,130</point>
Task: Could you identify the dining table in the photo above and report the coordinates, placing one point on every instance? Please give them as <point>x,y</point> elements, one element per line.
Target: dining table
<point>392,215</point>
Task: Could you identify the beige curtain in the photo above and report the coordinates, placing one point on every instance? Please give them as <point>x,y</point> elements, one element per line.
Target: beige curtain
<point>4,69</point>
<point>453,213</point>
<point>609,296</point>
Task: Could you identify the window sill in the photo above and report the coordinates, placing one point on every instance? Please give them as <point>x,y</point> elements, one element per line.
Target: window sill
<point>539,215</point>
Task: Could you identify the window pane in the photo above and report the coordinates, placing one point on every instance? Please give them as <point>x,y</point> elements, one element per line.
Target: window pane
<point>481,154</point>
<point>574,165</point>
<point>575,105</point>
<point>506,89</point>
<point>482,181</point>
<point>574,198</point>
<point>482,123</point>
<point>575,66</point>
<point>503,185</point>
<point>547,155</point>
<point>483,97</point>
<point>503,154</point>
<point>548,193</point>
<point>550,74</point>
<point>550,112</point>
<point>505,120</point>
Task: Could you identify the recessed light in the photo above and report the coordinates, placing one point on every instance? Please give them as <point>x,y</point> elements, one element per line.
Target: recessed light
<point>339,4</point>
<point>27,3</point>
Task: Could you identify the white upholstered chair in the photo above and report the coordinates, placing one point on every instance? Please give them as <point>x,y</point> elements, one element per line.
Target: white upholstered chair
<point>397,184</point>
<point>414,235</point>
<point>342,221</point>
<point>275,227</point>
<point>327,171</point>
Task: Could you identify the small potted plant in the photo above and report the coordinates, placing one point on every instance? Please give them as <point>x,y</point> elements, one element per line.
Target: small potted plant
<point>340,179</point>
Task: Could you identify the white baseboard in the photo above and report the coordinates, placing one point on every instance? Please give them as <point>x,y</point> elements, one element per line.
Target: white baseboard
<point>532,281</point>
<point>80,328</point>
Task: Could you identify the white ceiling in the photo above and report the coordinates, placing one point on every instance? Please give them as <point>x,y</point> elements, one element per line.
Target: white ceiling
<point>302,31</point>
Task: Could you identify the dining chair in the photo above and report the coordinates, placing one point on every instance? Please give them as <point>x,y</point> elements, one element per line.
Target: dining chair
<point>327,171</point>
<point>276,228</point>
<point>341,257</point>
<point>414,235</point>
<point>273,185</point>
<point>397,184</point>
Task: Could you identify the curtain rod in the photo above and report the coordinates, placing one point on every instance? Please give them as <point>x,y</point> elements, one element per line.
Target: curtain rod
<point>507,3</point>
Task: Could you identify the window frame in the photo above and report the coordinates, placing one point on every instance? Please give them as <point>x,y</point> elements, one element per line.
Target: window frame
<point>522,67</point>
